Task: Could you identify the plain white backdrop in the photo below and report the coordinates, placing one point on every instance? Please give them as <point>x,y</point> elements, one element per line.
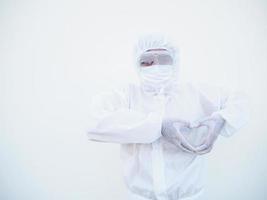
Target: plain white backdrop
<point>55,54</point>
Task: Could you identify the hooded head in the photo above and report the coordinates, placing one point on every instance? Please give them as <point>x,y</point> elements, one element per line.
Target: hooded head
<point>156,75</point>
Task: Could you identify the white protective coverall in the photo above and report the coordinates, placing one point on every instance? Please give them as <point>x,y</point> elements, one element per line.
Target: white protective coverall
<point>154,167</point>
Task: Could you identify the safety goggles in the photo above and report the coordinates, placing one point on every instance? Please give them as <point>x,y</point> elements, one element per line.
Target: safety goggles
<point>150,58</point>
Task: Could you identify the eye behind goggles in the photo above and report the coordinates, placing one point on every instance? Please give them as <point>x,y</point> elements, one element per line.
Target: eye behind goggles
<point>150,58</point>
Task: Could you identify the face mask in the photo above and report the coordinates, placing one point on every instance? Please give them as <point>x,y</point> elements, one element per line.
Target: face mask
<point>156,75</point>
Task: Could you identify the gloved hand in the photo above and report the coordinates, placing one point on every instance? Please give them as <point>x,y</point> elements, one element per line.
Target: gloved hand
<point>172,130</point>
<point>215,124</point>
<point>185,134</point>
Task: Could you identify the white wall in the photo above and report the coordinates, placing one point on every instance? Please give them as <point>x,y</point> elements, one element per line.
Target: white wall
<point>55,54</point>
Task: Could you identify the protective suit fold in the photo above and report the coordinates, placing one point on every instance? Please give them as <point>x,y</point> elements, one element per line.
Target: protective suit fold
<point>234,106</point>
<point>119,124</point>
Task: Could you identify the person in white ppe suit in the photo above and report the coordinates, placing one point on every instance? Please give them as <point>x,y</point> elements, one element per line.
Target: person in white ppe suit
<point>164,126</point>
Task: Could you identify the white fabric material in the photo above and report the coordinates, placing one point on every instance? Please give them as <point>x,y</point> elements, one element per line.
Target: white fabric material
<point>133,196</point>
<point>155,168</point>
<point>156,76</point>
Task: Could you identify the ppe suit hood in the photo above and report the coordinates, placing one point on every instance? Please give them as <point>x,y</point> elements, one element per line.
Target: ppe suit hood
<point>156,41</point>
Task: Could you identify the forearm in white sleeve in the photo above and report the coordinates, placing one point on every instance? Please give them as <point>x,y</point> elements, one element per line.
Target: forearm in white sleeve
<point>234,110</point>
<point>112,121</point>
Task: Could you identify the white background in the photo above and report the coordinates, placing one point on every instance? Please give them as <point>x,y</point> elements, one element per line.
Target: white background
<point>55,54</point>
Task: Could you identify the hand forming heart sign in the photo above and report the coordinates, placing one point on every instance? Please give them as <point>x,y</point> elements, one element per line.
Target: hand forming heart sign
<point>197,137</point>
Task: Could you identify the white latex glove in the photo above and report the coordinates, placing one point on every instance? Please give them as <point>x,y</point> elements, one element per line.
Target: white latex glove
<point>172,131</point>
<point>177,132</point>
<point>215,124</point>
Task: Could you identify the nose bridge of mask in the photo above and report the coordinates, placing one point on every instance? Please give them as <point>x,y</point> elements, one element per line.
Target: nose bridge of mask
<point>157,72</point>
